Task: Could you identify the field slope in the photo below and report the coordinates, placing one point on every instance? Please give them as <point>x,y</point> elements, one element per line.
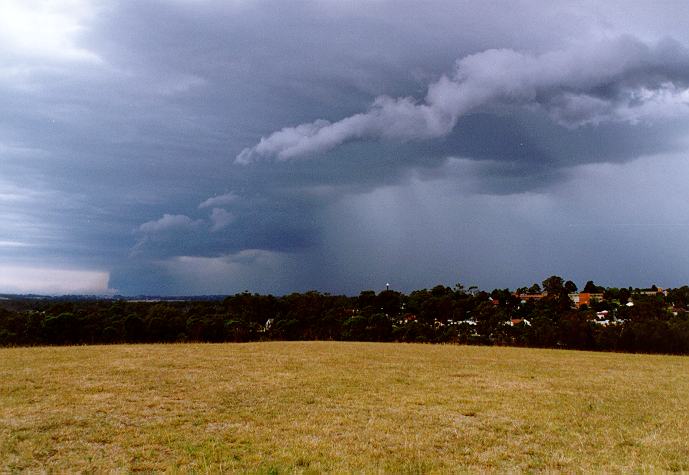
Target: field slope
<point>319,406</point>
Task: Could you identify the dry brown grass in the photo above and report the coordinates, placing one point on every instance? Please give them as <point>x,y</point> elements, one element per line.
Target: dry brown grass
<point>342,407</point>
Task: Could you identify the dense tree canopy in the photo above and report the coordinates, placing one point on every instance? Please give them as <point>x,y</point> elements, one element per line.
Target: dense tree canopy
<point>625,320</point>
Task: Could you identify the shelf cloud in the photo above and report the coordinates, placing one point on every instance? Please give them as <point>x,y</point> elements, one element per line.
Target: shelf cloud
<point>620,79</point>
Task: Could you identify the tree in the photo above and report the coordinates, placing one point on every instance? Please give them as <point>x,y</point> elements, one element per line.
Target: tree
<point>389,302</point>
<point>592,288</point>
<point>624,295</point>
<point>134,328</point>
<point>554,285</point>
<point>570,287</point>
<point>61,329</point>
<point>679,297</point>
<point>367,298</point>
<point>555,288</point>
<point>575,330</point>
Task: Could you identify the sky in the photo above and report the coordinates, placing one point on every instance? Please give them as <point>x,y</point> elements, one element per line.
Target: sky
<point>180,147</point>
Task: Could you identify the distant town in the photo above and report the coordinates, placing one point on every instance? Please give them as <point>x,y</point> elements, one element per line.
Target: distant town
<point>553,314</point>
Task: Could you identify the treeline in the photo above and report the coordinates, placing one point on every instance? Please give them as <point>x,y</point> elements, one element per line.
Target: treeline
<point>657,323</point>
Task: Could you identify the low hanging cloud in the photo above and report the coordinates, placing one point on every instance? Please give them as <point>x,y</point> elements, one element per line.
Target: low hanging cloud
<point>22,279</point>
<point>621,79</point>
<point>167,229</point>
<point>46,30</point>
<point>221,219</point>
<point>167,222</point>
<point>220,200</point>
<point>256,269</point>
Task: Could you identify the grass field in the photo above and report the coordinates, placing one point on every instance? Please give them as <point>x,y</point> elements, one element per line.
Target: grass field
<point>320,406</point>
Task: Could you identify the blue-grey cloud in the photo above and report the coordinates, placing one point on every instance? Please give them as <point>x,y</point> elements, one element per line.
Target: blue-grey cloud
<point>116,114</point>
<point>168,222</point>
<point>220,218</point>
<point>614,80</point>
<point>221,200</point>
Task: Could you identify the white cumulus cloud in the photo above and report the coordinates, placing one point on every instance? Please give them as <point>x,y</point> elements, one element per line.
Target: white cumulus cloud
<point>221,200</point>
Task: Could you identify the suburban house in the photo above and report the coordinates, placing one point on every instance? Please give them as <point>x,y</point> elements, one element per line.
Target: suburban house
<point>652,291</point>
<point>586,298</point>
<point>528,297</point>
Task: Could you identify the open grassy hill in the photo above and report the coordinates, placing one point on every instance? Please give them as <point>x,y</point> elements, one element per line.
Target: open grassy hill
<point>320,406</point>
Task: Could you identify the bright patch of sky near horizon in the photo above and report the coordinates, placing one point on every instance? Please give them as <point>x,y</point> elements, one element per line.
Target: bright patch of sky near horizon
<point>198,147</point>
<point>24,279</point>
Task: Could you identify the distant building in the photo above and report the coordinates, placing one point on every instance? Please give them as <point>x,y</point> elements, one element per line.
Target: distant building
<point>586,298</point>
<point>529,297</point>
<point>653,291</point>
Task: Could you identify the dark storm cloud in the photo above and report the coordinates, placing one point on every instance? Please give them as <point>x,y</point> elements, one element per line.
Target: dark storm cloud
<point>121,121</point>
<point>621,79</point>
